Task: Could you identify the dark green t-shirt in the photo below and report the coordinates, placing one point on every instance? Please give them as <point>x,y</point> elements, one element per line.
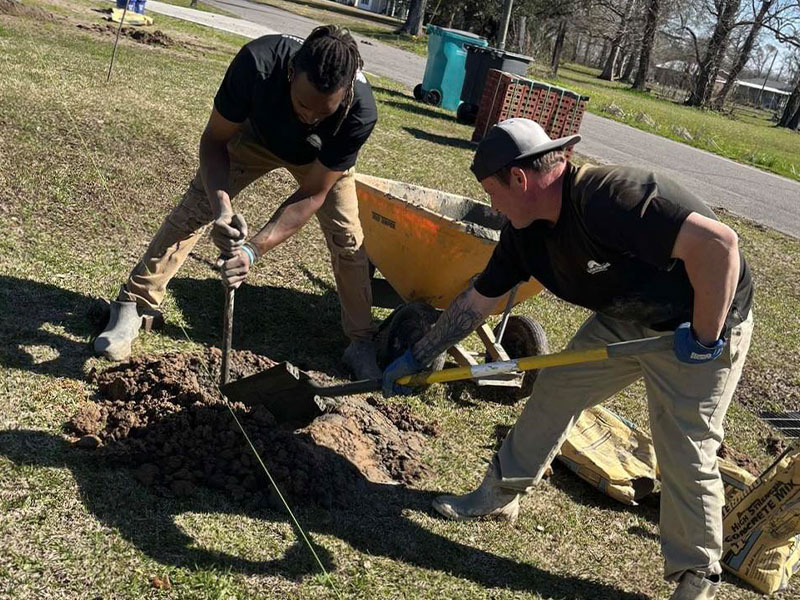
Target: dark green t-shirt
<point>610,250</point>
<point>256,87</point>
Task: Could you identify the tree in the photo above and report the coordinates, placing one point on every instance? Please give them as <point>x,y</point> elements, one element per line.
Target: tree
<point>648,40</point>
<point>561,33</point>
<point>416,15</point>
<point>791,113</point>
<point>744,54</point>
<point>708,67</point>
<point>610,66</point>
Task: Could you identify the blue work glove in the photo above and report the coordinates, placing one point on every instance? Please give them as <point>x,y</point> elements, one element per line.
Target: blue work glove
<point>689,350</point>
<point>405,365</point>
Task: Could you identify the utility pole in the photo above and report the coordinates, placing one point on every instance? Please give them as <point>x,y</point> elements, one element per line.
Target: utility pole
<point>507,4</point>
<point>761,91</point>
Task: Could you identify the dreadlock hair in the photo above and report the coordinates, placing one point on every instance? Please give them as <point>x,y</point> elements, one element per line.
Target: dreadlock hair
<point>330,59</point>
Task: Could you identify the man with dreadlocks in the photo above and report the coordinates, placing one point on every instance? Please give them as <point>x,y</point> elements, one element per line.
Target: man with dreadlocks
<point>284,102</point>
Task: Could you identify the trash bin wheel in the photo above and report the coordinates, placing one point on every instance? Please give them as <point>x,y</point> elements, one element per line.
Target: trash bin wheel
<point>523,337</point>
<point>466,113</point>
<point>419,93</point>
<point>403,328</point>
<point>433,97</point>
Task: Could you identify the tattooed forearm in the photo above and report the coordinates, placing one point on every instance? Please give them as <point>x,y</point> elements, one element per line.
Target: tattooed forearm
<point>460,319</point>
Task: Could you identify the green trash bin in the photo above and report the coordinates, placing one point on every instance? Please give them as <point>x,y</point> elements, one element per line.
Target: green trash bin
<point>445,69</point>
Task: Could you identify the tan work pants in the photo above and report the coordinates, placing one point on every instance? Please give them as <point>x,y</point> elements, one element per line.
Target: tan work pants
<point>686,405</point>
<point>338,218</point>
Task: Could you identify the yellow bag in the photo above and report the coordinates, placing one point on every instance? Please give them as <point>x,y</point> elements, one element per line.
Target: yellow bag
<point>611,454</point>
<point>761,525</point>
<point>131,18</point>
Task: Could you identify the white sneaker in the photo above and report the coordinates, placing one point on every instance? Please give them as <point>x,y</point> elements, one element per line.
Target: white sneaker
<point>124,322</point>
<point>693,586</point>
<point>489,501</point>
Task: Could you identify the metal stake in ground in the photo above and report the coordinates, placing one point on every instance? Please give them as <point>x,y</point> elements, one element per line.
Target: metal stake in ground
<point>227,335</point>
<point>116,41</point>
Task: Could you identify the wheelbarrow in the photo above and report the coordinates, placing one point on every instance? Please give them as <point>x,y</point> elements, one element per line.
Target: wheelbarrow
<point>429,245</point>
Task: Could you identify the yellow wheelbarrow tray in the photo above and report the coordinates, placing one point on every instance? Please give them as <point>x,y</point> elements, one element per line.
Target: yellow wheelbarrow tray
<point>429,245</point>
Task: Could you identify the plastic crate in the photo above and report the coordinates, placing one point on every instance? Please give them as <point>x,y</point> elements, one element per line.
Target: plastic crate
<point>506,95</point>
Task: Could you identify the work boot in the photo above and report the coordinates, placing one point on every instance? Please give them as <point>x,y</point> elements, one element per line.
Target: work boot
<point>491,500</point>
<point>360,359</point>
<point>124,322</point>
<point>693,586</point>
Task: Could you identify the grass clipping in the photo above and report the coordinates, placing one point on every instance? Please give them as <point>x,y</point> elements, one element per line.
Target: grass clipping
<point>162,416</point>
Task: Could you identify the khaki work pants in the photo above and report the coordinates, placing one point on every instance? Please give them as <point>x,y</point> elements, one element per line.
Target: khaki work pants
<point>249,160</point>
<point>686,405</point>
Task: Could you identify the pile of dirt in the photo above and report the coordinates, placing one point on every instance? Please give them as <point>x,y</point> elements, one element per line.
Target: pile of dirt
<point>18,9</point>
<point>152,38</point>
<point>162,416</point>
<point>738,458</point>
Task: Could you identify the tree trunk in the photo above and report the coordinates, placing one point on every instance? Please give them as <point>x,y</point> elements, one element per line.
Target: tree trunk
<point>743,56</point>
<point>558,46</point>
<point>586,48</point>
<point>791,112</point>
<point>416,15</point>
<point>611,62</point>
<point>628,71</point>
<point>648,39</point>
<point>601,59</point>
<point>709,65</point>
<point>574,55</point>
<point>522,35</point>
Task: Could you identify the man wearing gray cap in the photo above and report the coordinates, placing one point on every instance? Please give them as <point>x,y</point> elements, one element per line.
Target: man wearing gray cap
<point>647,257</point>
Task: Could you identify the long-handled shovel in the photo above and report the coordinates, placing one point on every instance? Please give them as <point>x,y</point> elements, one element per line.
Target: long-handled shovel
<point>290,394</point>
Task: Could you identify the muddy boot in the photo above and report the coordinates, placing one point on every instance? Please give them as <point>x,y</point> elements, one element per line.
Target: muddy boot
<point>360,359</point>
<point>696,587</point>
<point>490,500</point>
<point>124,322</point>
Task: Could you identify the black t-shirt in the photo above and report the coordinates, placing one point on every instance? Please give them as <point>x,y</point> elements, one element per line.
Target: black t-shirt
<point>256,87</point>
<point>610,250</point>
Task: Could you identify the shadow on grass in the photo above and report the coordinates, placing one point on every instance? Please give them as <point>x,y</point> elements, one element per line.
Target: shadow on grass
<point>393,93</point>
<point>441,139</point>
<point>284,324</point>
<point>375,523</point>
<point>420,109</point>
<point>37,319</point>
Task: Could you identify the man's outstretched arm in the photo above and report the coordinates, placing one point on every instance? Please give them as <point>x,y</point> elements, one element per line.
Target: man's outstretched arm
<point>461,318</point>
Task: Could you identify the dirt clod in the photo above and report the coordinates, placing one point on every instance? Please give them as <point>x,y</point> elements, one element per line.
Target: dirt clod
<point>162,416</point>
<point>151,38</point>
<point>16,8</point>
<point>740,459</point>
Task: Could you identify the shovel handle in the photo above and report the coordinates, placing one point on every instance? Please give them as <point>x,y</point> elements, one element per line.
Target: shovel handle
<point>357,387</point>
<point>531,363</point>
<point>227,335</point>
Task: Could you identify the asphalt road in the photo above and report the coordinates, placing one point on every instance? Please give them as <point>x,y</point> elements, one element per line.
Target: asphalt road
<point>768,199</point>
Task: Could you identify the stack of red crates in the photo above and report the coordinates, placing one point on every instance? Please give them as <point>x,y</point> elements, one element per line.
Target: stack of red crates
<point>559,111</point>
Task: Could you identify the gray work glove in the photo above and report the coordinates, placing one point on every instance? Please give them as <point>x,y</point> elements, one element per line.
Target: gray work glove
<point>229,232</point>
<point>234,269</point>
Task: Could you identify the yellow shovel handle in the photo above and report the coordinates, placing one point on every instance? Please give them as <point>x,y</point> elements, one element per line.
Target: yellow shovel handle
<point>530,363</point>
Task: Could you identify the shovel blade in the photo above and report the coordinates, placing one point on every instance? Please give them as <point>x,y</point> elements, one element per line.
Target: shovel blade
<point>283,389</point>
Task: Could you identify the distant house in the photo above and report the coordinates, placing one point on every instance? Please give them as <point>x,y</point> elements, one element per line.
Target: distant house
<point>771,95</point>
<point>680,74</point>
<point>393,8</point>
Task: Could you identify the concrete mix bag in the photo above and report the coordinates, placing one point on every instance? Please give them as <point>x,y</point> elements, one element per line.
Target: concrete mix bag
<point>611,454</point>
<point>761,525</point>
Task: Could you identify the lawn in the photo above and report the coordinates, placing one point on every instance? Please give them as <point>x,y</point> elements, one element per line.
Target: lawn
<point>87,172</point>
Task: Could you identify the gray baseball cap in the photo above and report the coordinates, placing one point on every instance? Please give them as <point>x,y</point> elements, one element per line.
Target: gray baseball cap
<point>511,140</point>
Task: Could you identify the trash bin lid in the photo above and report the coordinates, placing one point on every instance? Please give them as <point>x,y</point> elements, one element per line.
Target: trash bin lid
<point>464,36</point>
<point>497,52</point>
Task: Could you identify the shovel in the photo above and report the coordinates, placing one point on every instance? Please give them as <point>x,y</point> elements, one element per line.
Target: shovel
<point>291,395</point>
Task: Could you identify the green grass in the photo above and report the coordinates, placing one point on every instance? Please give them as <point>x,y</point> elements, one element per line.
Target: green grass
<point>748,138</point>
<point>87,172</point>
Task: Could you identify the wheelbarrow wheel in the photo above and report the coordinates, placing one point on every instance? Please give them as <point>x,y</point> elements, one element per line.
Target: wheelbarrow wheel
<point>403,328</point>
<point>524,336</point>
